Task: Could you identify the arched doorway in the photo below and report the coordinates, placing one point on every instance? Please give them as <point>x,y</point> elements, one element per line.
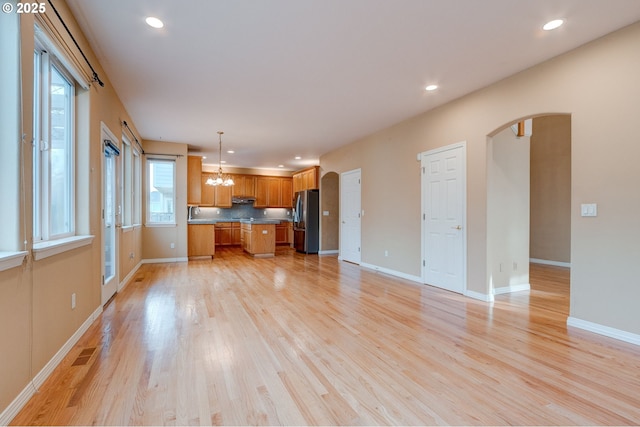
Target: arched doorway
<point>330,214</point>
<point>528,201</point>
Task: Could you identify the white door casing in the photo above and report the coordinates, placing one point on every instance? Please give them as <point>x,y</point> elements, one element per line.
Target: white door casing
<point>350,216</point>
<point>109,207</point>
<point>444,217</point>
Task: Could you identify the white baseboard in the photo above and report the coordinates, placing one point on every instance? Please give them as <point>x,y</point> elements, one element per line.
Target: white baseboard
<point>163,260</point>
<point>392,272</point>
<point>511,288</point>
<point>479,296</point>
<point>547,262</point>
<point>32,387</point>
<point>18,403</point>
<point>329,252</point>
<point>604,330</point>
<point>129,276</point>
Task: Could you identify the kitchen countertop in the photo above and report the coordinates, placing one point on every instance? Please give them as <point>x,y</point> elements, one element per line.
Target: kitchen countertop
<point>241,220</point>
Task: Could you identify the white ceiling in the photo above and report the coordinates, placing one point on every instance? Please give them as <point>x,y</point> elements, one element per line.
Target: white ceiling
<point>285,78</point>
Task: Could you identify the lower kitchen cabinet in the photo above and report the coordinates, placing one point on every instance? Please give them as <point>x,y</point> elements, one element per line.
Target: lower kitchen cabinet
<point>259,240</point>
<point>227,233</point>
<point>282,233</point>
<point>201,240</point>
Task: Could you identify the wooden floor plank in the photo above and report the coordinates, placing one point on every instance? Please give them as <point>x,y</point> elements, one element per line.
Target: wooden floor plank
<point>297,339</point>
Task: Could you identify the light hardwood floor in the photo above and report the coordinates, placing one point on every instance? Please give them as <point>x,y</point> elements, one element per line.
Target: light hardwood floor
<point>300,340</point>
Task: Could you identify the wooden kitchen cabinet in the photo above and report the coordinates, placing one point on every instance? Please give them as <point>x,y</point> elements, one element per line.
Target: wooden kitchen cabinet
<point>194,182</point>
<point>222,197</point>
<point>218,196</point>
<point>286,193</point>
<point>245,186</point>
<point>262,190</point>
<point>273,192</point>
<point>259,240</point>
<point>227,233</point>
<point>282,233</point>
<point>306,179</point>
<point>208,192</point>
<point>201,240</point>
<point>223,233</point>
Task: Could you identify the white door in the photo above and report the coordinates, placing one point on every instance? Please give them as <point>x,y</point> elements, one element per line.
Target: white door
<point>443,214</point>
<point>350,216</point>
<point>109,276</point>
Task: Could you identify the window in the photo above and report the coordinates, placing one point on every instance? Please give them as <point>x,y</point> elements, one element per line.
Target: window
<point>131,191</point>
<point>11,235</point>
<point>161,179</point>
<point>136,193</point>
<point>127,183</point>
<point>54,149</point>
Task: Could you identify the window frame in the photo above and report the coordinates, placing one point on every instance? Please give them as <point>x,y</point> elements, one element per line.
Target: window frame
<point>12,234</point>
<point>148,221</point>
<point>131,190</point>
<point>45,65</point>
<point>126,189</point>
<point>136,215</point>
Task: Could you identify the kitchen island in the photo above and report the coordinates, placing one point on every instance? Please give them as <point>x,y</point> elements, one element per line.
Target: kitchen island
<point>258,237</point>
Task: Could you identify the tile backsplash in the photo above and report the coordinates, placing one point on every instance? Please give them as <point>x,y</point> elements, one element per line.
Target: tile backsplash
<point>242,211</point>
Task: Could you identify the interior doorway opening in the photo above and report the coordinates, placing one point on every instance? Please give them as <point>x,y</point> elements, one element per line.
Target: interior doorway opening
<point>330,213</point>
<point>528,201</point>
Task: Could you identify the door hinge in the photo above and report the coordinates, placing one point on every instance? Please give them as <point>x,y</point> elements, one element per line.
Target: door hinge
<point>424,217</point>
<point>358,249</point>
<point>358,180</point>
<point>102,213</point>
<point>103,280</point>
<point>424,263</point>
<point>423,170</point>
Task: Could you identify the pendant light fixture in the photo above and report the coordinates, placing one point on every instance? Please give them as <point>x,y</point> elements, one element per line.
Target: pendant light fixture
<point>220,178</point>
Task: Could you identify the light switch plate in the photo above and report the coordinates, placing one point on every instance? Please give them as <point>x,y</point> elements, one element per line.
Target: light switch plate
<point>589,209</point>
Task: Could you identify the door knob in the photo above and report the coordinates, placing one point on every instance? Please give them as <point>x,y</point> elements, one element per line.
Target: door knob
<point>457,227</point>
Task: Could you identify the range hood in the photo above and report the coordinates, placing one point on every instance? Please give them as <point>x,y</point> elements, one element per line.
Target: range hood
<point>243,200</point>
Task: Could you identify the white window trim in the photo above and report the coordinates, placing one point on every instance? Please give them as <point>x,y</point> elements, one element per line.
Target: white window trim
<point>148,223</point>
<point>10,260</point>
<point>50,248</point>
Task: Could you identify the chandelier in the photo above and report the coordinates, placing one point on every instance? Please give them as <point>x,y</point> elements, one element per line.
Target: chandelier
<point>220,178</point>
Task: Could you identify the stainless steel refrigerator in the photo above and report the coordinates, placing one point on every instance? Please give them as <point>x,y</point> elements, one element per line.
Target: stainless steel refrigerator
<point>306,221</point>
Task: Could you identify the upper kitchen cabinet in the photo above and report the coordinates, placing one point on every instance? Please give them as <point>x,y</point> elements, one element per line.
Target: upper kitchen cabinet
<point>245,186</point>
<point>194,182</point>
<point>222,197</point>
<point>273,192</point>
<point>306,179</point>
<point>218,196</point>
<point>286,192</point>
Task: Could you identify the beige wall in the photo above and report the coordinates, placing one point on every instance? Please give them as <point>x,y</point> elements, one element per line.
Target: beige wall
<point>508,210</point>
<point>597,84</point>
<point>551,189</point>
<point>36,318</point>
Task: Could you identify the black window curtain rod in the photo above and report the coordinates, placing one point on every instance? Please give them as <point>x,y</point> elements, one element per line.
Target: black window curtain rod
<point>124,123</point>
<point>95,76</point>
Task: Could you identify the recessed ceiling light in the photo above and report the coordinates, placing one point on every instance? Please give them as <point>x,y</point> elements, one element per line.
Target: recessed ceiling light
<point>154,22</point>
<point>230,151</point>
<point>431,87</point>
<point>298,158</point>
<point>552,25</point>
<point>223,161</point>
<point>280,166</point>
<point>204,157</point>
